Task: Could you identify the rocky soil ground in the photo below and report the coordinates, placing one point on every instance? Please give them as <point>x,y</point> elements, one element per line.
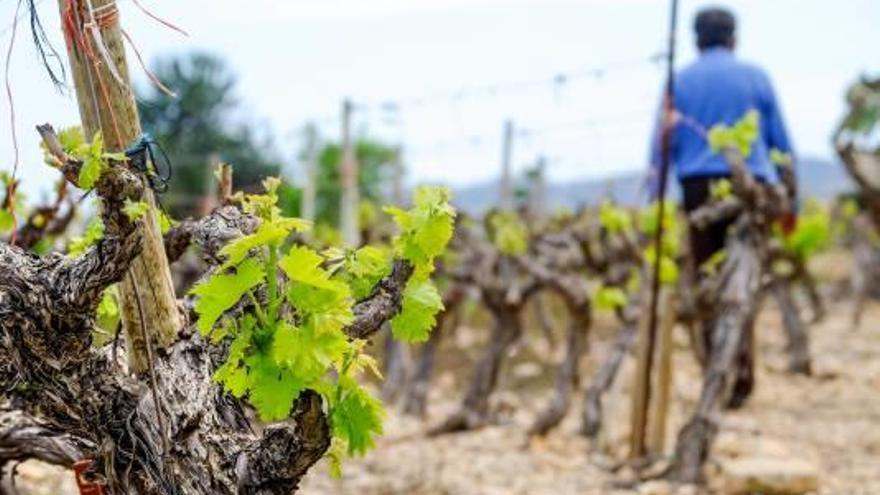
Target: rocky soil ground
<point>795,433</point>
<point>814,434</point>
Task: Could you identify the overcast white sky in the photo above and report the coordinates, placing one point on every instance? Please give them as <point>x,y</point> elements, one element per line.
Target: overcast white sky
<point>297,59</point>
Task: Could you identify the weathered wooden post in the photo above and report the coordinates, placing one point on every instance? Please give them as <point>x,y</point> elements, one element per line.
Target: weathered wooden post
<point>348,177</point>
<point>106,103</point>
<point>659,420</point>
<point>505,201</point>
<point>397,192</point>
<point>538,190</point>
<point>310,186</point>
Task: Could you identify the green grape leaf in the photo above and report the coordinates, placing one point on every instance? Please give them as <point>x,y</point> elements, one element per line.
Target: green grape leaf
<point>421,303</point>
<point>94,232</point>
<point>364,268</point>
<point>233,375</point>
<point>426,228</point>
<point>220,292</point>
<point>325,302</point>
<point>334,456</point>
<point>89,173</point>
<point>303,265</point>
<point>71,139</point>
<point>669,272</point>
<point>234,378</point>
<point>7,220</point>
<point>165,221</point>
<point>741,135</point>
<point>268,233</point>
<point>356,417</point>
<point>272,389</point>
<point>610,298</point>
<point>615,220</point>
<point>134,210</point>
<point>812,233</point>
<point>307,352</point>
<point>721,189</point>
<point>509,233</point>
<point>780,158</point>
<point>711,265</point>
<point>93,161</point>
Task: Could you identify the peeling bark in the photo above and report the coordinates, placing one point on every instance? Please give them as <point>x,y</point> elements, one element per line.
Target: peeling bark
<point>592,412</point>
<point>172,431</point>
<point>539,303</point>
<point>741,275</point>
<point>474,411</point>
<point>568,376</point>
<point>798,338</point>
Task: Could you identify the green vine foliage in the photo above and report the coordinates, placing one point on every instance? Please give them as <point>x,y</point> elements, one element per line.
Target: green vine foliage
<point>9,211</point>
<point>615,219</point>
<point>812,233</point>
<point>92,154</point>
<point>508,233</point>
<point>670,245</point>
<point>740,135</point>
<point>283,309</point>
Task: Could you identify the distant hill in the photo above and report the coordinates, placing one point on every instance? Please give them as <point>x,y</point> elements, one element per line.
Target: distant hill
<point>819,178</point>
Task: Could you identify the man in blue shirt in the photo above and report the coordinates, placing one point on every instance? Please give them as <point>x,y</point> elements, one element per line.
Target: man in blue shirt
<point>718,88</point>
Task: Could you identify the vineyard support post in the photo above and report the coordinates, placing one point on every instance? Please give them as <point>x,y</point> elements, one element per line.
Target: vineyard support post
<point>310,186</point>
<point>638,421</point>
<point>640,415</point>
<point>108,105</point>
<point>664,370</point>
<point>397,177</point>
<point>538,192</point>
<point>348,177</point>
<point>505,202</point>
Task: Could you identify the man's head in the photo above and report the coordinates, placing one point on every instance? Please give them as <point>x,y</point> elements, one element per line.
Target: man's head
<point>715,27</point>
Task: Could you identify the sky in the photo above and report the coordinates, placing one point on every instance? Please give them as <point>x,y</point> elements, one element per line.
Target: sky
<point>457,69</point>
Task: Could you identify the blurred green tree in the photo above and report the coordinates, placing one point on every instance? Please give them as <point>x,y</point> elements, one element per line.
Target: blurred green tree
<point>198,127</point>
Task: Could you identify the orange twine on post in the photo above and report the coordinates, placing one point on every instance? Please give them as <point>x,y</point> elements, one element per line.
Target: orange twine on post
<point>75,37</point>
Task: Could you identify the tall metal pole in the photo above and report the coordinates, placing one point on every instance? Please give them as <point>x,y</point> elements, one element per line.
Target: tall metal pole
<point>505,202</point>
<point>310,188</point>
<point>348,176</point>
<point>107,104</point>
<point>641,414</point>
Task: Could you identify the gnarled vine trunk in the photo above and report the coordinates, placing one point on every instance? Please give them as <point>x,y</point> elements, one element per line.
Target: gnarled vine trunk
<point>738,302</point>
<point>568,376</point>
<point>474,410</point>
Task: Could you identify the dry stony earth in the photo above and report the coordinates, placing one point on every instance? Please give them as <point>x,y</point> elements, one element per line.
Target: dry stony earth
<point>804,434</point>
<point>819,430</point>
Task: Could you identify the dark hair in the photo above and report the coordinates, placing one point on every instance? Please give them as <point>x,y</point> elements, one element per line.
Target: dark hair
<point>714,26</point>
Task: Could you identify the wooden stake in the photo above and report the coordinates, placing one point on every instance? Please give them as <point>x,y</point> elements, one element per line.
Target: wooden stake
<point>108,105</point>
<point>638,421</point>
<point>505,202</point>
<point>663,386</point>
<point>348,177</point>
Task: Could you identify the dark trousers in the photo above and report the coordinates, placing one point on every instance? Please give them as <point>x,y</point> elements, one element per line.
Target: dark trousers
<point>704,243</point>
<point>707,241</point>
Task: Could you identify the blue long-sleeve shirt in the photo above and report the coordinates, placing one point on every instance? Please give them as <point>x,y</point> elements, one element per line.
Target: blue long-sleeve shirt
<point>719,89</point>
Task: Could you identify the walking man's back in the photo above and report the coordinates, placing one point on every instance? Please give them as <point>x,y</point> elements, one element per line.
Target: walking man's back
<point>715,89</point>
